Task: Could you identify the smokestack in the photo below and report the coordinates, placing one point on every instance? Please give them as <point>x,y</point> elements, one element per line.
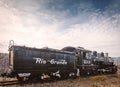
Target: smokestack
<point>98,55</point>
<point>95,53</point>
<point>106,54</point>
<point>102,54</point>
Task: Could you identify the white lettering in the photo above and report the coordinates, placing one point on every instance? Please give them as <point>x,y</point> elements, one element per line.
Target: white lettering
<point>52,61</point>
<point>87,62</point>
<point>57,62</point>
<point>40,61</point>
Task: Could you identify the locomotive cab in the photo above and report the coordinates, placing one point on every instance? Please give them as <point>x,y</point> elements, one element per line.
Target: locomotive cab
<point>84,62</point>
<point>83,57</point>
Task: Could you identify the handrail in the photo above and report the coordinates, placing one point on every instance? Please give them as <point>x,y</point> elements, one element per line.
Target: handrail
<point>11,43</point>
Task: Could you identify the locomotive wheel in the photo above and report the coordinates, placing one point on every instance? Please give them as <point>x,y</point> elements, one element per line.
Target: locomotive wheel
<point>82,73</point>
<point>72,75</point>
<point>52,77</point>
<point>93,72</point>
<point>20,79</point>
<point>64,75</point>
<point>88,73</point>
<point>114,71</point>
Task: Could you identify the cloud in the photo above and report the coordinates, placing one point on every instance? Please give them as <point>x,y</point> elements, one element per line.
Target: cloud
<point>48,23</point>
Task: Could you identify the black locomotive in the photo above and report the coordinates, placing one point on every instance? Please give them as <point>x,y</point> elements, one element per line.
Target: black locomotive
<point>27,62</point>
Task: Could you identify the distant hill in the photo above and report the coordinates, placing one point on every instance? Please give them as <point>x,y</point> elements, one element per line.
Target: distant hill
<point>4,61</point>
<point>3,55</point>
<point>116,59</point>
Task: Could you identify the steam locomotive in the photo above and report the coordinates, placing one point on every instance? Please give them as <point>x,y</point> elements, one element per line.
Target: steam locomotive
<point>27,62</point>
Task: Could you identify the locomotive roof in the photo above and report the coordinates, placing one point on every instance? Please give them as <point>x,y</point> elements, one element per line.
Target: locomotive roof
<point>69,48</point>
<point>43,49</point>
<point>73,49</point>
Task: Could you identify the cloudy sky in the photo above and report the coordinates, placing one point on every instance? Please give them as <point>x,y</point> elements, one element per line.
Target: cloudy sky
<point>93,24</point>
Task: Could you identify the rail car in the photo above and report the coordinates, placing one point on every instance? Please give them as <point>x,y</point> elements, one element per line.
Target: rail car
<point>27,62</point>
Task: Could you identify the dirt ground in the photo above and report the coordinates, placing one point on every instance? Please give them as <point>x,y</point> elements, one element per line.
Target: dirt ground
<point>110,80</point>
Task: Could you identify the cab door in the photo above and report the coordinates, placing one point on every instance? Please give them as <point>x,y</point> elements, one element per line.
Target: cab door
<point>78,58</point>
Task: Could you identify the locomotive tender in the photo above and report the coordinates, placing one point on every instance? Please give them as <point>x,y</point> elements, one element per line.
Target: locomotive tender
<point>27,62</point>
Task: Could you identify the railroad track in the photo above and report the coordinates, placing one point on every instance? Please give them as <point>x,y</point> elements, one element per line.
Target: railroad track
<point>5,83</point>
<point>16,82</point>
